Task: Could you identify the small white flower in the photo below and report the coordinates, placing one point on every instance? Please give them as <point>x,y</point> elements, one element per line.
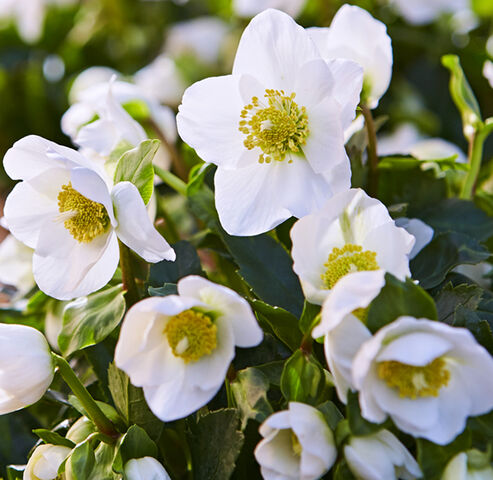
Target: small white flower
<point>422,232</point>
<point>478,272</point>
<point>471,465</point>
<point>488,71</point>
<point>45,462</point>
<point>352,232</point>
<point>420,12</point>
<point>380,456</point>
<point>347,37</point>
<point>297,445</point>
<point>26,367</point>
<point>250,8</point>
<point>64,210</point>
<point>179,347</point>
<point>145,468</point>
<point>17,265</point>
<point>427,376</point>
<point>89,78</point>
<point>270,124</point>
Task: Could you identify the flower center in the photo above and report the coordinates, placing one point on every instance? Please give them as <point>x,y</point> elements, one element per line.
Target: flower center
<point>191,335</point>
<point>414,381</point>
<point>84,219</point>
<point>277,125</point>
<point>348,259</point>
<point>295,444</point>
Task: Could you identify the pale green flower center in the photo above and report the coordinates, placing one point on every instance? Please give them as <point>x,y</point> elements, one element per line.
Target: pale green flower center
<point>413,382</point>
<point>348,259</point>
<point>84,218</point>
<point>295,444</point>
<point>276,125</point>
<point>191,335</point>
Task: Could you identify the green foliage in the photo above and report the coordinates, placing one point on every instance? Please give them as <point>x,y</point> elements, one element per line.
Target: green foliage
<point>357,424</point>
<point>53,438</point>
<point>134,444</point>
<point>309,317</point>
<point>80,463</point>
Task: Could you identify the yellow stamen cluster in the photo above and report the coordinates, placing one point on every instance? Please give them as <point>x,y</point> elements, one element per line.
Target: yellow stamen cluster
<point>86,219</point>
<point>191,335</point>
<point>361,314</point>
<point>277,128</point>
<point>348,259</point>
<point>413,382</point>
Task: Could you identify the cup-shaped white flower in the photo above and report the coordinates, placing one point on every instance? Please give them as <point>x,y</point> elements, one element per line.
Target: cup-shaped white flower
<point>347,37</point>
<point>250,8</point>
<point>65,211</point>
<point>145,468</point>
<point>352,232</point>
<point>179,347</point>
<point>427,376</point>
<point>26,367</point>
<point>270,125</point>
<point>45,462</point>
<point>421,231</point>
<point>470,465</point>
<point>380,456</point>
<point>297,444</point>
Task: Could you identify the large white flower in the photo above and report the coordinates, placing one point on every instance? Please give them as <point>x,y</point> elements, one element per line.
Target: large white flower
<point>427,376</point>
<point>380,456</point>
<point>471,465</point>
<point>297,445</point>
<point>250,8</point>
<point>145,468</point>
<point>275,127</point>
<point>45,462</point>
<point>352,232</point>
<point>26,367</point>
<point>348,37</point>
<point>179,347</point>
<point>65,211</point>
<point>420,12</point>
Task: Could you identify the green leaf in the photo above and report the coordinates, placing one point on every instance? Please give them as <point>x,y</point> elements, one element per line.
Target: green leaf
<point>250,389</point>
<point>433,458</point>
<point>134,444</point>
<point>331,413</point>
<point>136,166</point>
<point>482,428</point>
<point>396,299</point>
<point>89,320</point>
<point>342,471</point>
<point>357,424</point>
<point>196,177</point>
<point>108,410</point>
<point>442,254</point>
<point>53,438</point>
<point>80,462</point>
<point>215,443</point>
<point>304,380</point>
<point>283,324</point>
<point>131,404</point>
<point>309,317</point>
<point>405,162</point>
<point>15,472</point>
<point>480,328</point>
<point>273,371</point>
<point>164,291</point>
<point>103,467</point>
<point>450,297</point>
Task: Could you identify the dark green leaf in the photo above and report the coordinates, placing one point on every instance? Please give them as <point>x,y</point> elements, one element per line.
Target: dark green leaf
<point>80,462</point>
<point>164,291</point>
<point>134,444</point>
<point>357,424</point>
<point>53,438</point>
<point>450,297</point>
<point>331,413</point>
<point>481,329</point>
<point>342,471</point>
<point>309,316</point>
<point>273,371</point>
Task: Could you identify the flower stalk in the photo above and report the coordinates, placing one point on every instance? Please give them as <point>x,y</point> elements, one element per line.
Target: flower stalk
<point>128,278</point>
<point>372,150</point>
<point>171,180</point>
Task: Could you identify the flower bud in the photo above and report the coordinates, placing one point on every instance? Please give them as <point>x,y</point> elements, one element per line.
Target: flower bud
<point>146,468</point>
<point>45,462</point>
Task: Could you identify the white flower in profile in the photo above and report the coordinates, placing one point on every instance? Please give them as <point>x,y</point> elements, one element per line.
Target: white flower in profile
<point>26,367</point>
<point>470,465</point>
<point>422,232</point>
<point>275,127</point>
<point>145,468</point>
<point>64,210</point>
<point>352,232</point>
<point>297,444</point>
<point>45,462</point>
<point>250,8</point>
<point>348,37</point>
<point>421,12</point>
<point>426,375</point>
<point>178,348</point>
<point>380,456</point>
<point>17,265</point>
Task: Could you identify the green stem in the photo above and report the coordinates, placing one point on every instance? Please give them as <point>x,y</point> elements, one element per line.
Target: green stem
<point>103,424</point>
<point>372,150</point>
<point>129,285</point>
<point>171,180</point>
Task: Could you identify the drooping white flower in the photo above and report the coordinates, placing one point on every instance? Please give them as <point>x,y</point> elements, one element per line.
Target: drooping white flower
<point>427,376</point>
<point>250,8</point>
<point>64,210</point>
<point>179,347</point>
<point>420,12</point>
<point>352,232</point>
<point>380,456</point>
<point>297,445</point>
<point>45,462</point>
<point>16,262</point>
<point>348,37</point>
<point>471,465</point>
<point>271,125</point>
<point>145,468</point>
<point>26,367</point>
<point>422,232</point>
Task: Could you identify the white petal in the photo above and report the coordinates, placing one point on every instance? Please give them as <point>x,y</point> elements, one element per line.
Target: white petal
<point>422,232</point>
<point>145,468</point>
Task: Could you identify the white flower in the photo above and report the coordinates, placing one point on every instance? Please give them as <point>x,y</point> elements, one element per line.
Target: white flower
<point>427,376</point>
<point>65,211</point>
<point>146,468</point>
<point>420,12</point>
<point>422,232</point>
<point>348,37</point>
<point>16,260</point>
<point>45,462</point>
<point>488,71</point>
<point>380,456</point>
<point>250,8</point>
<point>26,367</point>
<point>471,465</point>
<point>179,347</point>
<point>352,232</point>
<point>275,127</point>
<point>478,272</point>
<point>89,78</point>
<point>297,444</point>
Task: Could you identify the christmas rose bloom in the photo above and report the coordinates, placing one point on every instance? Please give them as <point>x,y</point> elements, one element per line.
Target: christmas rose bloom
<point>178,348</point>
<point>470,465</point>
<point>297,444</point>
<point>275,127</point>
<point>426,375</point>
<point>45,462</point>
<point>145,468</point>
<point>352,232</point>
<point>64,210</point>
